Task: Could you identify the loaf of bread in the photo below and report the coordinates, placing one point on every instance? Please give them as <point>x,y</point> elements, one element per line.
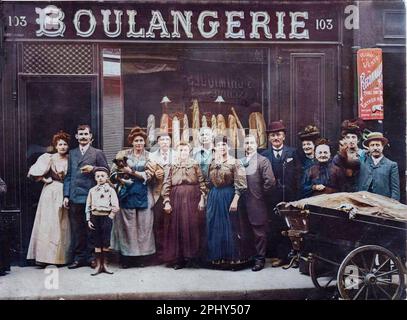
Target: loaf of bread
<point>257,128</point>
<point>195,123</point>
<point>213,124</point>
<point>233,131</point>
<point>150,130</point>
<point>185,129</point>
<point>165,122</point>
<point>221,124</point>
<point>176,134</point>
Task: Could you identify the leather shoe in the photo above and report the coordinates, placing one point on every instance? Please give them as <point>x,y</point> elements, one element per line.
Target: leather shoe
<point>75,265</point>
<point>277,263</point>
<point>258,266</point>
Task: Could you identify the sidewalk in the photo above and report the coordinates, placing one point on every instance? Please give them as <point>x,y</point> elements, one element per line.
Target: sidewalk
<point>154,282</point>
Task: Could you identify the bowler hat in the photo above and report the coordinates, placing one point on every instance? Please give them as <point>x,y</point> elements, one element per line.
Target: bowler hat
<point>276,126</point>
<point>375,136</point>
<point>104,169</point>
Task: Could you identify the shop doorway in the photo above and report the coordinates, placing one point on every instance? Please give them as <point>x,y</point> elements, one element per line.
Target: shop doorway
<point>47,106</point>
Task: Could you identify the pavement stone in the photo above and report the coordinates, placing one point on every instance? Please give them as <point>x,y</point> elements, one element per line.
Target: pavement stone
<point>154,282</point>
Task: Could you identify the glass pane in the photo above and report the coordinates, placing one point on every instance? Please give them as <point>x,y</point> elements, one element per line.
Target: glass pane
<point>112,109</point>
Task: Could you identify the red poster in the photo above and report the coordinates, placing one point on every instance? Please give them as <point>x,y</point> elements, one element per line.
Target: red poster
<point>370,84</point>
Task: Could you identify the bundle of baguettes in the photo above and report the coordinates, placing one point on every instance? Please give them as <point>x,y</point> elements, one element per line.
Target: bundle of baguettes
<point>257,127</point>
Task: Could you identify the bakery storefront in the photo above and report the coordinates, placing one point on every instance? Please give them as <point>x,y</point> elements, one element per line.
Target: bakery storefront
<point>118,64</point>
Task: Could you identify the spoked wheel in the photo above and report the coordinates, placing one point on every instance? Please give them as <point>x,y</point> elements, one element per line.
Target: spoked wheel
<point>322,271</point>
<point>371,272</point>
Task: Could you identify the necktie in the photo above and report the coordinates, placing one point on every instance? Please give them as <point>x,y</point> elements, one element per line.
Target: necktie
<point>165,157</point>
<point>278,155</point>
<point>82,151</point>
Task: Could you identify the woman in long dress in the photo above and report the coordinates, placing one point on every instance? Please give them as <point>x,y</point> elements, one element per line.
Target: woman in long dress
<point>132,233</point>
<point>225,224</point>
<point>50,238</point>
<point>183,192</point>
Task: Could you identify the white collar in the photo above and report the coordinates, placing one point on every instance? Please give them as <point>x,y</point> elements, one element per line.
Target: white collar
<point>85,148</point>
<point>377,160</point>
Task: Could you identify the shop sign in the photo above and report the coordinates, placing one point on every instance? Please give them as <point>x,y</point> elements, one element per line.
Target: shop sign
<point>370,84</point>
<point>138,21</point>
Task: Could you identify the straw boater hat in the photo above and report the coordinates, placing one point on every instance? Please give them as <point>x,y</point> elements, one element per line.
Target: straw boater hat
<point>375,136</point>
<point>310,133</point>
<point>276,126</point>
<point>355,126</point>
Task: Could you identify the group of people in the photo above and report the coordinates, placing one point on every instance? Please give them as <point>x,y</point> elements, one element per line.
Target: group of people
<point>191,207</point>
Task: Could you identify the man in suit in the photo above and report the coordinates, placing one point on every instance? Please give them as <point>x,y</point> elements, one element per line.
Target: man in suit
<point>160,160</point>
<point>77,183</point>
<point>285,164</point>
<point>260,181</point>
<point>377,173</point>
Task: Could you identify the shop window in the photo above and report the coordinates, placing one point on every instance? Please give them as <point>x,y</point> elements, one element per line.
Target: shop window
<point>237,75</point>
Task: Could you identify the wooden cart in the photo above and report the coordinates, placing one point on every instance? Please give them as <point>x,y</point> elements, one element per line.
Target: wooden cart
<point>364,256</point>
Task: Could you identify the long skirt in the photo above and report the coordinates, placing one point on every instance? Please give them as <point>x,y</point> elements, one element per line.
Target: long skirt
<point>132,232</point>
<point>226,231</point>
<point>51,237</point>
<point>182,226</point>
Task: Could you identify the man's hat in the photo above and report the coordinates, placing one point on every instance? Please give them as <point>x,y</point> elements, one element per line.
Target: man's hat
<point>276,126</point>
<point>375,136</point>
<point>310,132</point>
<point>104,169</point>
<point>354,126</point>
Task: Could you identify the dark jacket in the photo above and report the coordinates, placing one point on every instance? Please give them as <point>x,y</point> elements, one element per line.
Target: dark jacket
<point>382,178</point>
<point>285,171</point>
<point>260,182</point>
<point>327,174</point>
<point>77,184</point>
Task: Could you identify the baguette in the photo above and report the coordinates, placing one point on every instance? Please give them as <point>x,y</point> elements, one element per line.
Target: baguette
<point>213,124</point>
<point>165,122</point>
<point>185,129</point>
<point>233,131</point>
<point>175,132</point>
<point>221,124</point>
<point>195,123</point>
<point>150,130</point>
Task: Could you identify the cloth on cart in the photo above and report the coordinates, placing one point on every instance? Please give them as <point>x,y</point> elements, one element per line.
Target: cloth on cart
<point>362,202</point>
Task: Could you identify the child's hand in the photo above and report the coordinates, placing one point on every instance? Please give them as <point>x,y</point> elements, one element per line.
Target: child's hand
<point>111,215</point>
<point>90,225</point>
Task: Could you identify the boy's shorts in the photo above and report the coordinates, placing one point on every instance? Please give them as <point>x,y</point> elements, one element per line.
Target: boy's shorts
<point>101,235</point>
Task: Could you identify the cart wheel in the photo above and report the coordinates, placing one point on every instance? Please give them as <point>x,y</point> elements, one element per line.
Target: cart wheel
<point>370,272</point>
<point>323,273</point>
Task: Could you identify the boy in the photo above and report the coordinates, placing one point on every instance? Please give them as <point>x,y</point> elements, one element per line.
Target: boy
<point>101,206</point>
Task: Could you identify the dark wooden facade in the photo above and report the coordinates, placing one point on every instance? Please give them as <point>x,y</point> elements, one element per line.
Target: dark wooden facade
<point>303,82</point>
